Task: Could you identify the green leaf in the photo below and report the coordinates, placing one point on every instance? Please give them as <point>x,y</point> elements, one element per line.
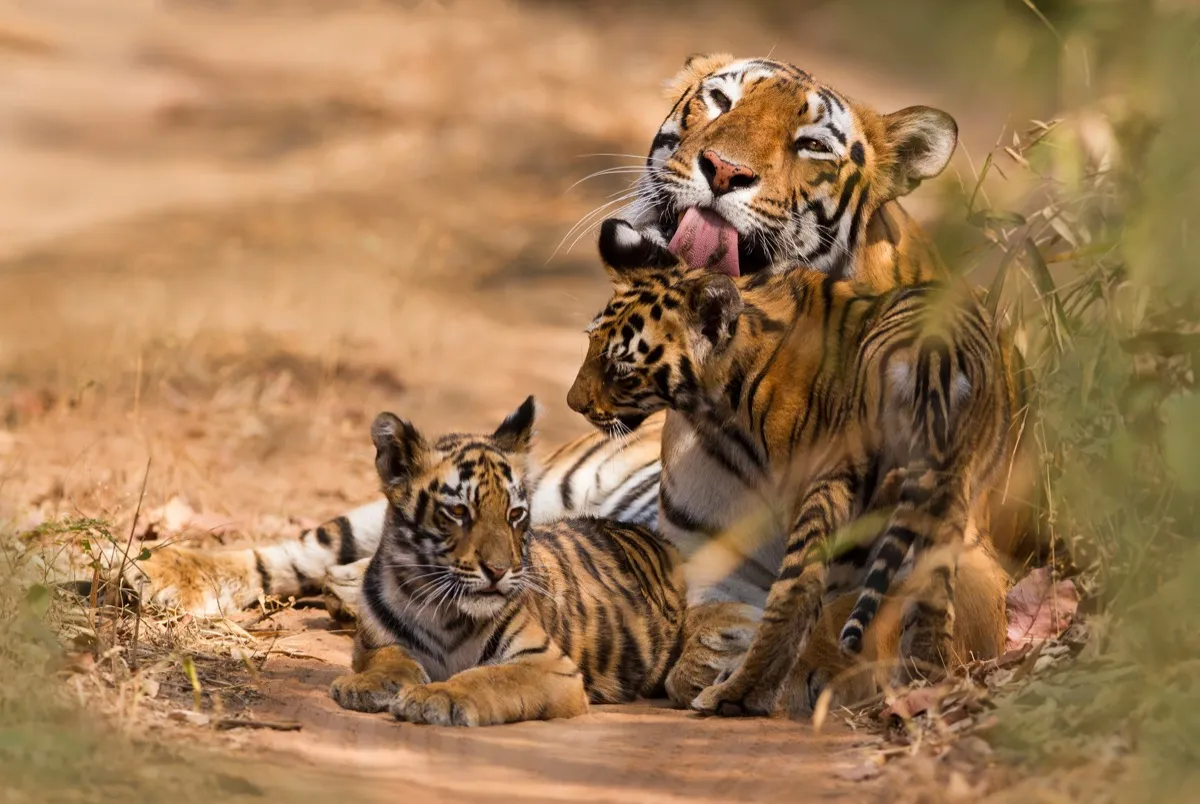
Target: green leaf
<point>1056,318</point>
<point>37,599</point>
<point>995,217</point>
<point>144,555</point>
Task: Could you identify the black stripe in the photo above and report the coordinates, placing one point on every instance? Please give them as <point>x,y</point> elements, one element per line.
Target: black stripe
<point>348,548</point>
<point>681,518</point>
<point>545,646</point>
<point>263,578</point>
<point>374,599</point>
<point>564,486</point>
<point>323,537</point>
<point>492,648</point>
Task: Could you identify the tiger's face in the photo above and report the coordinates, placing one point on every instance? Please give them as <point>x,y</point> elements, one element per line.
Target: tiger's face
<point>759,166</point>
<point>648,346</point>
<point>458,509</point>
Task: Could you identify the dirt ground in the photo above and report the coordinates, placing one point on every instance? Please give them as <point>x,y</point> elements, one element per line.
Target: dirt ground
<point>230,234</point>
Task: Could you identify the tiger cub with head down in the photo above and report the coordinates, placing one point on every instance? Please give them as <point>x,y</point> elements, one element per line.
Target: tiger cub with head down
<point>470,617</point>
<point>824,401</point>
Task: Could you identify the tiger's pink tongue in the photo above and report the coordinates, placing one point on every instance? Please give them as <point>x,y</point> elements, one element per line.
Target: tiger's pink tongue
<point>706,240</point>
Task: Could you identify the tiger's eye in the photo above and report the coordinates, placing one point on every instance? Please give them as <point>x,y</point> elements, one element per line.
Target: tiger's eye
<point>813,145</point>
<point>516,515</point>
<point>456,512</point>
<point>721,99</point>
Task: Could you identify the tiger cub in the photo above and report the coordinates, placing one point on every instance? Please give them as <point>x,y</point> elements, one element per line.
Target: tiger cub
<point>905,384</point>
<point>471,617</point>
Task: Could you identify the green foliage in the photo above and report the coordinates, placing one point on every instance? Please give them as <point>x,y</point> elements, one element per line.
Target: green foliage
<point>1099,276</point>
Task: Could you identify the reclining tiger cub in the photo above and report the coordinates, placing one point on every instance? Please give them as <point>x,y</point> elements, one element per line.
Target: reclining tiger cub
<point>757,167</point>
<point>470,616</point>
<point>820,401</point>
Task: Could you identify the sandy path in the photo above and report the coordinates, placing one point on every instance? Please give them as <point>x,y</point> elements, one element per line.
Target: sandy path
<point>642,752</point>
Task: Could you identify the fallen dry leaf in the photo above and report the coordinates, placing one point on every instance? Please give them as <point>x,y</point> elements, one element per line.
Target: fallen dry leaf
<point>913,702</point>
<point>867,769</point>
<point>186,716</point>
<point>1039,609</point>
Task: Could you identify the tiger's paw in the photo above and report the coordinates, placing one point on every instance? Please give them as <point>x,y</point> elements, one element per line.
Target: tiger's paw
<point>439,704</point>
<point>693,674</point>
<point>342,590</point>
<point>736,697</point>
<point>371,691</point>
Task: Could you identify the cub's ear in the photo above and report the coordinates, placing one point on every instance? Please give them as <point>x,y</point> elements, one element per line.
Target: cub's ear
<point>631,256</point>
<point>515,433</point>
<point>715,303</point>
<point>921,141</point>
<point>399,451</point>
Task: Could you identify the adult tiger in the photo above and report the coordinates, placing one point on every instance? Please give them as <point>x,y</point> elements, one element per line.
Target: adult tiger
<point>756,166</point>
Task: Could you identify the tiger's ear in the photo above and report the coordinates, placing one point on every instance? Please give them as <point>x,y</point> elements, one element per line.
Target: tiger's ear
<point>715,303</point>
<point>632,257</point>
<point>921,141</point>
<point>696,67</point>
<point>399,452</point>
<point>515,433</point>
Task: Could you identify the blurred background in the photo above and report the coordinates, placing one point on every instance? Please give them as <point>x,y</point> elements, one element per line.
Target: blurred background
<point>232,232</point>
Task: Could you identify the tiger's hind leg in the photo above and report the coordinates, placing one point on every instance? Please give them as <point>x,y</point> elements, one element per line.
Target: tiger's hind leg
<point>793,605</point>
<point>979,631</point>
<point>927,620</point>
<point>716,637</point>
<point>932,516</point>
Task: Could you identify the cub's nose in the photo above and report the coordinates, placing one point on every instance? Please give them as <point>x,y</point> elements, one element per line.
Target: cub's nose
<point>724,176</point>
<point>492,572</point>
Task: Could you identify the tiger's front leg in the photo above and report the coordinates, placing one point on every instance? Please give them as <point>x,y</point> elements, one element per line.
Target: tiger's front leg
<point>379,675</point>
<point>532,680</point>
<point>715,639</point>
<point>792,610</point>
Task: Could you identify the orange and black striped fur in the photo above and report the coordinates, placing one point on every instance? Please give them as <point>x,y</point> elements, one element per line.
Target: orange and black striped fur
<point>821,400</point>
<point>469,616</point>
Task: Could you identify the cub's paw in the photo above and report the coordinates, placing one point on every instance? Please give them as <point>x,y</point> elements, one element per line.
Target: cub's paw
<point>694,673</point>
<point>438,704</point>
<point>371,691</point>
<point>710,658</point>
<point>736,697</point>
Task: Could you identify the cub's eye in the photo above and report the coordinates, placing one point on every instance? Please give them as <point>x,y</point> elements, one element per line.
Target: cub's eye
<point>721,100</point>
<point>517,515</point>
<point>620,369</point>
<point>456,512</point>
<point>812,146</point>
